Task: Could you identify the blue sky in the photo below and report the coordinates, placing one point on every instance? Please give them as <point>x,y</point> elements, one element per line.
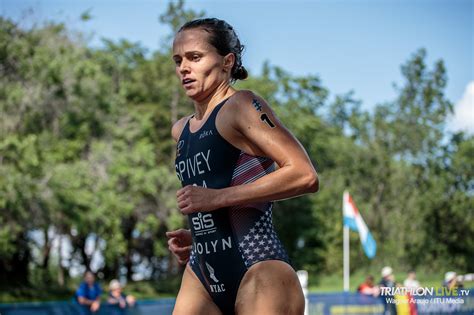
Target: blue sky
<point>351,45</point>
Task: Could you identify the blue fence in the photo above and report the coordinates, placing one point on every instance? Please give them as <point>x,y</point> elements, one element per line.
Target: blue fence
<point>158,307</point>
<point>352,303</point>
<point>319,304</point>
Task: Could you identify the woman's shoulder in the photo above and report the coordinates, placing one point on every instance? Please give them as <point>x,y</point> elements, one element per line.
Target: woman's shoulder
<point>243,96</point>
<point>245,101</point>
<point>178,127</point>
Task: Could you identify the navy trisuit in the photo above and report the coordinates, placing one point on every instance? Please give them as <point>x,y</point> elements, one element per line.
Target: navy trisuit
<point>226,241</point>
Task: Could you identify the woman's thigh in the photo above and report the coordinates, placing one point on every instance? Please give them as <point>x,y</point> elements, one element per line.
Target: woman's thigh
<point>270,287</point>
<point>193,298</point>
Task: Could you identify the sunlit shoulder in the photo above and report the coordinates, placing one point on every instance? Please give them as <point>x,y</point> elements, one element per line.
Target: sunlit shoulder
<point>248,108</point>
<point>245,102</point>
<point>178,127</point>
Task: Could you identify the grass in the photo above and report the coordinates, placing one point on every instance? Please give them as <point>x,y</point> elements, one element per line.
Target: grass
<point>35,294</point>
<point>143,290</point>
<point>334,282</point>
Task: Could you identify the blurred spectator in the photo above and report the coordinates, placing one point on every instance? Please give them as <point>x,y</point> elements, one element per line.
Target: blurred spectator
<point>410,281</point>
<point>451,281</point>
<point>368,288</point>
<point>88,294</point>
<point>117,297</point>
<point>388,281</point>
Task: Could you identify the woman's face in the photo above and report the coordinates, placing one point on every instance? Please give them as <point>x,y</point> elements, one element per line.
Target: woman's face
<point>199,66</point>
<point>116,291</point>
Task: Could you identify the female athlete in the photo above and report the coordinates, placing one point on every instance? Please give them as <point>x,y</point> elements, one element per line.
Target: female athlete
<point>225,160</point>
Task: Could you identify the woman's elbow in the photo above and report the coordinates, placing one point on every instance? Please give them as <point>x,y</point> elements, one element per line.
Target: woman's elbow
<point>311,182</point>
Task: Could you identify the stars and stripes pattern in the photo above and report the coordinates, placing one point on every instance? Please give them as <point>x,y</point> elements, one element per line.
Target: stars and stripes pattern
<point>250,168</point>
<point>262,243</point>
<point>192,258</point>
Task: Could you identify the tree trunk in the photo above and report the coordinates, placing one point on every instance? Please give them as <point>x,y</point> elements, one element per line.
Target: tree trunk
<point>14,271</point>
<point>80,244</point>
<point>60,265</point>
<point>46,250</point>
<point>128,227</point>
<point>111,270</point>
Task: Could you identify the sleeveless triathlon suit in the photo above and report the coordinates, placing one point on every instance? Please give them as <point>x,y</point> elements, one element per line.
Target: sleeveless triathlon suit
<point>226,241</point>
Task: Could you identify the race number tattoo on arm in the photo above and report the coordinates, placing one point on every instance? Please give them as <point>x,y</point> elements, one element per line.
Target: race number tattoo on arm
<point>264,117</point>
<point>257,105</point>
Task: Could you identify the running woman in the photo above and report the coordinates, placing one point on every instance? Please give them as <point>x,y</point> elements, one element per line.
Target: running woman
<point>225,160</point>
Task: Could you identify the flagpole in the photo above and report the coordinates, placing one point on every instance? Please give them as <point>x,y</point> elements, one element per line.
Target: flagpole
<point>345,251</point>
<point>346,259</point>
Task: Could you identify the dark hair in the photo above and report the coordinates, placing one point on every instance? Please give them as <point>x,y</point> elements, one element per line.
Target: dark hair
<point>223,37</point>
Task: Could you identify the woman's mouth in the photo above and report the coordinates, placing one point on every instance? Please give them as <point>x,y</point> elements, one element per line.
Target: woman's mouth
<point>187,82</point>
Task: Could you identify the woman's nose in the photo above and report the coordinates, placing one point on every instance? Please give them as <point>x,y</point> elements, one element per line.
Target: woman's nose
<point>184,67</point>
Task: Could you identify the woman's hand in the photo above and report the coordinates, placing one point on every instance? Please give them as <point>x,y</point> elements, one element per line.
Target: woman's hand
<point>122,303</point>
<point>180,243</point>
<point>95,306</point>
<point>197,199</point>
<point>130,300</point>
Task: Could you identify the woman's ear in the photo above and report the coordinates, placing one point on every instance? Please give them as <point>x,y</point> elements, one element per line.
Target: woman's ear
<point>229,61</point>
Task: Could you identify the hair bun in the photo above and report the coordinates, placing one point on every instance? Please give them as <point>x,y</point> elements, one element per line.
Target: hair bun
<point>240,73</point>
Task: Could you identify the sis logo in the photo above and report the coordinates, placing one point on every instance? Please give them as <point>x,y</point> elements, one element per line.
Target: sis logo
<point>203,224</point>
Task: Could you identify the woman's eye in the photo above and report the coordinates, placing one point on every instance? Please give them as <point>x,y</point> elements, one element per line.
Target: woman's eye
<point>177,62</point>
<point>196,57</point>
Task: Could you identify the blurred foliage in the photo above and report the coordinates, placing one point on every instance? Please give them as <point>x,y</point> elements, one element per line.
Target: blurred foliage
<point>86,156</point>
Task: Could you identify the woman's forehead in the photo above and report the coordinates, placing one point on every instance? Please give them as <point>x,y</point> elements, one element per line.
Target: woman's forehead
<point>191,40</point>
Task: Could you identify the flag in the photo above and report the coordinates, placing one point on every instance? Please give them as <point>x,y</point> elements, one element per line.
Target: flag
<point>353,220</point>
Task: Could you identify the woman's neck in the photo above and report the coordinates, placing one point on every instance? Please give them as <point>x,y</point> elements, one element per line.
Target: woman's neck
<point>201,107</point>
